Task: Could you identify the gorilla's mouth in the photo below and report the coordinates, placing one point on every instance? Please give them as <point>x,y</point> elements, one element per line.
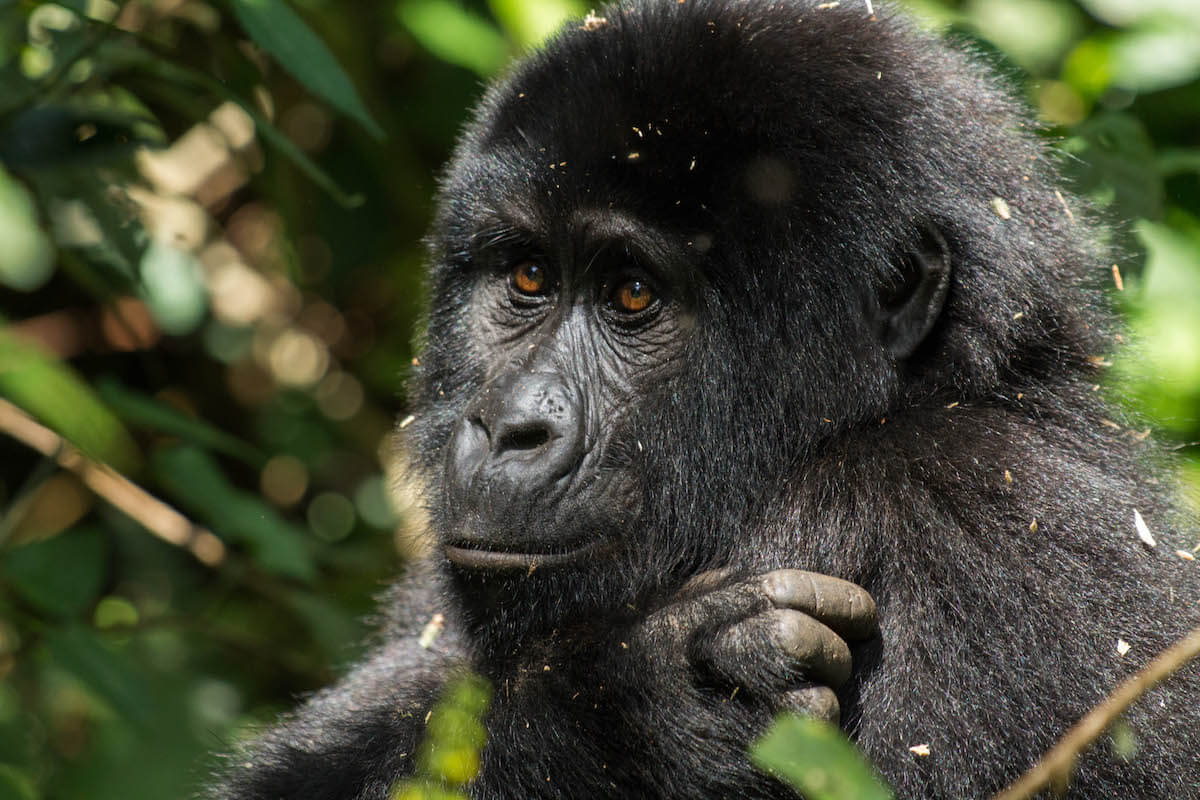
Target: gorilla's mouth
<point>471,557</point>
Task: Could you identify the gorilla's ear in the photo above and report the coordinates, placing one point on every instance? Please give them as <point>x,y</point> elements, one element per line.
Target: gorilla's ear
<point>910,303</point>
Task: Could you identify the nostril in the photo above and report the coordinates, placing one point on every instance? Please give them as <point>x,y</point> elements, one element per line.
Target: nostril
<point>528,437</point>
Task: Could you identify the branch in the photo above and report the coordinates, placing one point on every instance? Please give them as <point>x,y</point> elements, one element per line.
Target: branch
<point>135,502</point>
<point>1056,766</point>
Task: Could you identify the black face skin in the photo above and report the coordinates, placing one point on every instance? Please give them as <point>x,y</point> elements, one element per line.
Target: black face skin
<point>740,392</point>
<point>573,336</point>
<point>577,324</point>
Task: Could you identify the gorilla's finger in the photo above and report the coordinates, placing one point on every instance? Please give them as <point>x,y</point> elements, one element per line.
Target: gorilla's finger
<point>806,650</point>
<point>843,606</point>
<point>816,701</point>
<point>699,612</point>
<point>822,654</point>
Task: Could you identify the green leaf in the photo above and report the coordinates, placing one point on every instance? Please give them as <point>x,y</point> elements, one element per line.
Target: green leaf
<point>1034,33</point>
<point>1179,161</point>
<point>1122,13</point>
<point>173,288</point>
<point>51,391</point>
<point>330,626</point>
<point>15,784</point>
<point>193,79</point>
<point>1088,67</point>
<point>815,758</point>
<point>455,35</point>
<point>1172,273</point>
<point>52,136</point>
<point>278,30</point>
<point>26,259</point>
<point>1164,305</point>
<point>1156,58</point>
<point>79,651</point>
<point>61,576</point>
<point>146,412</point>
<point>89,220</point>
<point>529,22</point>
<point>1115,165</point>
<point>195,479</point>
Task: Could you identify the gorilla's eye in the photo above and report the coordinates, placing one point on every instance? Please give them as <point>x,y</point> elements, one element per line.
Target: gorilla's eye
<point>633,296</point>
<point>529,278</point>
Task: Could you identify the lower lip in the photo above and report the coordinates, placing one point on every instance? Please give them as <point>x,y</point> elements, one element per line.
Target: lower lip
<point>499,560</point>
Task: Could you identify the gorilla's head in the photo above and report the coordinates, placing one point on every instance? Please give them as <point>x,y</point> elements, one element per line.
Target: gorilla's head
<point>686,246</point>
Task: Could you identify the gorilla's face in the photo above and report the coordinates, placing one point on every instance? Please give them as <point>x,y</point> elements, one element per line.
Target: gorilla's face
<point>573,328</point>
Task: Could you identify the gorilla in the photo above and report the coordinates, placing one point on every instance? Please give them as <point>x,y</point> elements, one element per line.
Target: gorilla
<point>760,374</point>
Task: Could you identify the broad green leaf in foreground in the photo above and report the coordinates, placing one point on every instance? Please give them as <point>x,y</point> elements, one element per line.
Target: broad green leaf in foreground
<point>817,760</point>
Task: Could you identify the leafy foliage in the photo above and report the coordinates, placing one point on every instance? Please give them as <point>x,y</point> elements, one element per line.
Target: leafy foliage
<point>455,736</point>
<point>817,760</point>
<point>209,274</point>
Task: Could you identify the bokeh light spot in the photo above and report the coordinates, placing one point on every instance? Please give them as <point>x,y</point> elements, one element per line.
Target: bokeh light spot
<point>331,516</point>
<point>284,480</point>
<point>339,396</point>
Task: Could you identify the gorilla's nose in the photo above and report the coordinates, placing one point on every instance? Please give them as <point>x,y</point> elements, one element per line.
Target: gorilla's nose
<point>532,431</point>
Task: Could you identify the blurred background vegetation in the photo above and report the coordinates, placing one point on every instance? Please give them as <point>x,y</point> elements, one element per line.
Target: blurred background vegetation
<point>210,270</point>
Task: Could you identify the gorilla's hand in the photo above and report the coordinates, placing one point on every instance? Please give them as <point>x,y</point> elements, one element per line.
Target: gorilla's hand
<point>782,637</point>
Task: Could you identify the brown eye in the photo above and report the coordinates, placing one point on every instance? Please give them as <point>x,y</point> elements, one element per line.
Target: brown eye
<point>529,277</point>
<point>633,296</point>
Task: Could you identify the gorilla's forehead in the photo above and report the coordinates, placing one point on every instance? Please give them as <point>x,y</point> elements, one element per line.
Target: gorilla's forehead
<point>683,114</point>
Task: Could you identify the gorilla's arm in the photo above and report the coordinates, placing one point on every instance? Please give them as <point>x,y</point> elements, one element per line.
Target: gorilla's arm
<point>350,741</point>
<point>662,706</point>
<point>609,705</point>
<point>355,739</point>
<point>1002,612</point>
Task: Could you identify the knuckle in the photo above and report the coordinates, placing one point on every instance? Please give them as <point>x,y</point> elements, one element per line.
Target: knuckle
<point>806,639</point>
<point>811,646</point>
<point>791,587</point>
<point>837,653</point>
<point>790,630</point>
<point>774,584</point>
<point>819,702</point>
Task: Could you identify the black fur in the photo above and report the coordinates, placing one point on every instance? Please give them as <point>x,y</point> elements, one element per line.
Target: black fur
<point>793,159</point>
